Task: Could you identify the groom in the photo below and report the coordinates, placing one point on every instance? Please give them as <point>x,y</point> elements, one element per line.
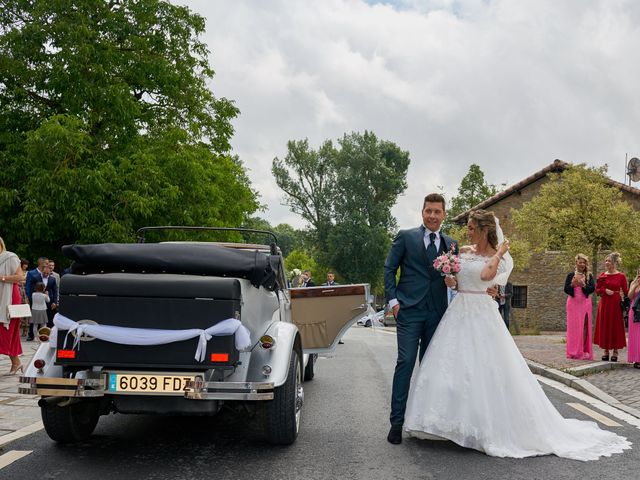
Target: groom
<point>419,299</point>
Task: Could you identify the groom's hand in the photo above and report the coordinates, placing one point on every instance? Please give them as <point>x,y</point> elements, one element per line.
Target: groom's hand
<point>492,291</point>
<point>395,309</point>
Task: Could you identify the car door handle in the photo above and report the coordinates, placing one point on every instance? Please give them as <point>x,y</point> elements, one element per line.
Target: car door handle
<point>364,305</point>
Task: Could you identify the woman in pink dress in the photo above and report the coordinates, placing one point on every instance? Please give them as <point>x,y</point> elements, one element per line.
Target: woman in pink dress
<point>578,286</point>
<point>633,349</point>
<point>10,276</point>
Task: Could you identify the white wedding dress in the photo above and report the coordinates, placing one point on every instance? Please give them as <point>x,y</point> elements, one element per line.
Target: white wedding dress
<point>474,388</point>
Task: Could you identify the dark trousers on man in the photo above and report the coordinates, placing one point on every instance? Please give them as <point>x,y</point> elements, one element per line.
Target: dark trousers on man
<point>415,328</point>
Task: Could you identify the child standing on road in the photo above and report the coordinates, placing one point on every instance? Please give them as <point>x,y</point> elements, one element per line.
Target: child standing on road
<point>39,300</point>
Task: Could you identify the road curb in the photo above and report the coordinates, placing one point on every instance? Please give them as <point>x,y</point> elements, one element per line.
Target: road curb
<point>581,385</point>
<point>591,368</point>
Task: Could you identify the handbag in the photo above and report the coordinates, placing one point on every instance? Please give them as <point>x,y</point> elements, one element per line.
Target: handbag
<point>20,310</point>
<point>636,309</point>
<point>625,303</point>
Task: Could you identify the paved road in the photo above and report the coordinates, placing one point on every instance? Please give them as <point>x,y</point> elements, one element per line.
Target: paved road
<point>342,436</point>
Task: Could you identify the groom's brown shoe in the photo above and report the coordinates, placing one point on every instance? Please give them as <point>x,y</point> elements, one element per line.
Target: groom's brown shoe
<point>395,435</point>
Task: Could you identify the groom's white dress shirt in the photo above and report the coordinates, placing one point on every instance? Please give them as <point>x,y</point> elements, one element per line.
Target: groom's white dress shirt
<point>394,301</point>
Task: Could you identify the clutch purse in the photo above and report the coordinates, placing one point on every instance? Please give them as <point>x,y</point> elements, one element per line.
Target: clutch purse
<point>19,310</point>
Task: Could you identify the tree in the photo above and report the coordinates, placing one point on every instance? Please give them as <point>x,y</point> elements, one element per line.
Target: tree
<point>288,237</point>
<point>578,210</point>
<point>308,180</point>
<point>301,260</point>
<point>473,189</point>
<point>107,124</point>
<point>346,194</point>
<point>370,174</point>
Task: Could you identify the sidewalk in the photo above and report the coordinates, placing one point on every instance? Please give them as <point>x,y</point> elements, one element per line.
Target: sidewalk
<point>16,411</point>
<point>617,380</point>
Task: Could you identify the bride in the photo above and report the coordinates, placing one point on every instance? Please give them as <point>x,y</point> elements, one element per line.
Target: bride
<point>474,387</point>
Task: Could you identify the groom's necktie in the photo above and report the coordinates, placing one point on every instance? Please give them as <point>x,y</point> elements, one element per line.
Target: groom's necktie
<point>432,252</point>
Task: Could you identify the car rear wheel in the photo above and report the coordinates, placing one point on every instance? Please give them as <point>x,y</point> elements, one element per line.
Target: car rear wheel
<point>282,414</point>
<point>70,423</point>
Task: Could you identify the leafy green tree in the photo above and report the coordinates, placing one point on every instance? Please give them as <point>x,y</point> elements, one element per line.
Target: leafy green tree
<point>288,237</point>
<point>302,260</point>
<point>579,211</point>
<point>307,179</point>
<point>473,189</point>
<point>346,194</point>
<point>370,174</point>
<point>107,124</point>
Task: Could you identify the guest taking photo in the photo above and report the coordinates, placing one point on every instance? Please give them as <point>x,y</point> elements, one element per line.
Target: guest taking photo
<point>578,286</point>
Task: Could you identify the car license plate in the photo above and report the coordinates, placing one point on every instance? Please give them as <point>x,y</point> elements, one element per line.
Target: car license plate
<point>148,383</point>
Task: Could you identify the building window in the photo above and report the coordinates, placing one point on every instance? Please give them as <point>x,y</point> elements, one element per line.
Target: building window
<point>519,299</point>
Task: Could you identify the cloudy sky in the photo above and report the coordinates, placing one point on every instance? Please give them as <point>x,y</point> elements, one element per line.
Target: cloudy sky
<point>508,84</point>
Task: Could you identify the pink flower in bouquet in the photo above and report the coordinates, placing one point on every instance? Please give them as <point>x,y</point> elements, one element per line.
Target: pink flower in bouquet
<point>447,263</point>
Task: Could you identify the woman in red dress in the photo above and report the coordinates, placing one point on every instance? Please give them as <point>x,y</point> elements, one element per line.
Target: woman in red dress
<point>10,276</point>
<point>609,334</point>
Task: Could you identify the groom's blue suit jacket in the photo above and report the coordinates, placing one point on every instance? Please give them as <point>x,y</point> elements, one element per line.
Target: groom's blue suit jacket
<point>418,278</point>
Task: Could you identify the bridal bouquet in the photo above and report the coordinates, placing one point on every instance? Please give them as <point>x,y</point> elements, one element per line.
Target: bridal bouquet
<point>447,264</point>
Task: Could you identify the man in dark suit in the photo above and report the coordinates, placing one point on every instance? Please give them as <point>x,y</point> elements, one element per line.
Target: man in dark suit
<point>331,280</point>
<point>51,287</point>
<point>306,279</point>
<point>418,300</point>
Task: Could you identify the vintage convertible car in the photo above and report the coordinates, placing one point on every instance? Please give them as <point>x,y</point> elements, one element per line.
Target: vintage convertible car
<point>181,328</point>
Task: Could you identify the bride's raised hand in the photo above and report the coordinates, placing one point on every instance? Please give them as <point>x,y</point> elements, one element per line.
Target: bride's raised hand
<point>503,248</point>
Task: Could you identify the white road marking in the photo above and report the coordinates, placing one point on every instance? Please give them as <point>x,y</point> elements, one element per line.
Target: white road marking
<point>600,405</point>
<point>23,432</point>
<point>595,415</point>
<point>11,456</point>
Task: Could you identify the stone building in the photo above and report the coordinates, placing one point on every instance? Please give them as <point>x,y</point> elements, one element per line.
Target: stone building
<point>538,298</point>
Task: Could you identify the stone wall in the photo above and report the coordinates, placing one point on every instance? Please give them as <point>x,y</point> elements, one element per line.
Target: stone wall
<point>546,299</point>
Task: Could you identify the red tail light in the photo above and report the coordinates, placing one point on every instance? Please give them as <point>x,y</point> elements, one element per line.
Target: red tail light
<point>66,354</point>
<point>219,357</point>
<point>39,364</point>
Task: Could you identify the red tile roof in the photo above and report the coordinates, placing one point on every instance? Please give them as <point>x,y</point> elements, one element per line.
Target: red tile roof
<point>556,167</point>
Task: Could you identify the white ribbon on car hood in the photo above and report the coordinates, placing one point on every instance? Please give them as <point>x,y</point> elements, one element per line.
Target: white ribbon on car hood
<point>152,336</point>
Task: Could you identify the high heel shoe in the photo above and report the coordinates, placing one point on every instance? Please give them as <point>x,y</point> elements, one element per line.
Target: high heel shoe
<point>15,369</point>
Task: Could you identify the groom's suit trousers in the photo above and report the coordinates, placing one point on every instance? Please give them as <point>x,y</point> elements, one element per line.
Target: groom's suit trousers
<point>415,328</point>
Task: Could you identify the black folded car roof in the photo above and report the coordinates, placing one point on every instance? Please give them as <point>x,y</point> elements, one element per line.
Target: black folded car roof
<point>179,258</point>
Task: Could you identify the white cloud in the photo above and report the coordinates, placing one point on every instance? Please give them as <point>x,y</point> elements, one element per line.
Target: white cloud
<point>508,85</point>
